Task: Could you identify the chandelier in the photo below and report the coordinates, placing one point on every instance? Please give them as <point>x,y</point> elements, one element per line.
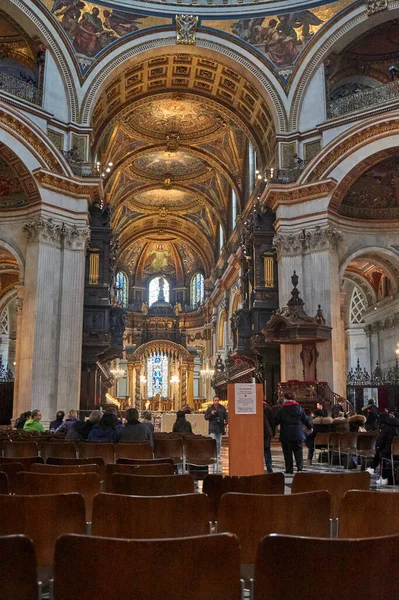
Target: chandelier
<point>174,379</point>
<point>118,373</point>
<point>207,372</point>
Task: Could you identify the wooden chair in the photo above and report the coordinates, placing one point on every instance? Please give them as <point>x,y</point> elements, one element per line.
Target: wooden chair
<point>348,446</point>
<point>293,567</point>
<point>252,516</point>
<point>157,485</point>
<point>87,484</point>
<point>158,469</point>
<point>43,519</point>
<point>136,450</point>
<point>333,445</point>
<point>3,482</point>
<point>20,449</point>
<point>169,447</point>
<point>335,483</point>
<point>133,516</point>
<point>60,469</point>
<point>105,450</point>
<point>217,485</point>
<point>137,461</point>
<point>321,441</point>
<point>26,461</point>
<point>366,447</point>
<point>394,453</point>
<point>11,470</point>
<point>368,514</point>
<point>57,449</point>
<point>94,460</point>
<point>199,452</point>
<point>122,569</point>
<point>18,568</point>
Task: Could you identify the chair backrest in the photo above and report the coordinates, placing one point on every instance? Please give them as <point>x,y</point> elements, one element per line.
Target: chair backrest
<point>138,450</point>
<point>368,514</point>
<point>158,469</point>
<point>60,469</point>
<point>335,483</point>
<point>169,447</point>
<point>252,516</point>
<point>322,438</point>
<point>87,484</point>
<point>11,469</point>
<point>57,449</point>
<point>366,441</point>
<point>26,461</point>
<point>20,449</point>
<point>105,450</point>
<point>217,485</point>
<point>311,568</point>
<point>395,446</point>
<point>348,440</point>
<point>200,451</point>
<point>136,516</point>
<point>156,485</point>
<point>144,461</point>
<point>184,568</point>
<point>93,460</point>
<point>3,482</point>
<point>43,519</point>
<point>333,440</point>
<point>18,568</point>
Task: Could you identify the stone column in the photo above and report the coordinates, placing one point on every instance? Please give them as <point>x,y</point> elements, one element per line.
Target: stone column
<point>183,388</point>
<point>71,317</point>
<point>130,383</point>
<point>21,402</point>
<point>312,253</point>
<point>190,384</point>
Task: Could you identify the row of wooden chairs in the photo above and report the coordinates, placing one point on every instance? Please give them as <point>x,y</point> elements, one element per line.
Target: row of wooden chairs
<point>349,444</point>
<point>203,566</point>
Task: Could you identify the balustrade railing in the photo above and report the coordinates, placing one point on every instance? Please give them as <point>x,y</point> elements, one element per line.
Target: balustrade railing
<point>80,168</point>
<point>377,95</point>
<point>21,89</point>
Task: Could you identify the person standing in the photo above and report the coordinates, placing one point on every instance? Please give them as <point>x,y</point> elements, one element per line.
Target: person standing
<point>291,417</point>
<point>268,433</point>
<point>216,414</point>
<point>33,424</point>
<point>372,415</point>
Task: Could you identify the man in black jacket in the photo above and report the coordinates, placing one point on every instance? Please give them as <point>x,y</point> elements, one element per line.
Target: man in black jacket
<point>291,417</point>
<point>134,431</point>
<point>216,414</point>
<point>372,413</point>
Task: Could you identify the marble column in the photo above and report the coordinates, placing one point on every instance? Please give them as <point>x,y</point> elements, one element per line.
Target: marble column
<point>130,383</point>
<point>71,317</point>
<point>21,402</point>
<point>190,384</point>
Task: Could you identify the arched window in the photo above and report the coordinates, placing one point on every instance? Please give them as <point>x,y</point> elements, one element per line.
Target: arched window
<point>358,306</point>
<point>121,288</point>
<point>154,287</point>
<point>197,290</point>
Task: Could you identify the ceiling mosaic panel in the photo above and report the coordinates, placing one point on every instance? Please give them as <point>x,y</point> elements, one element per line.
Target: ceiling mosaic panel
<point>161,164</point>
<point>375,194</point>
<point>173,200</point>
<point>12,192</point>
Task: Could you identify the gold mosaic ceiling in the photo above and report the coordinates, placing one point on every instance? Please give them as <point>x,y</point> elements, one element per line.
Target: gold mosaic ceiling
<point>176,130</point>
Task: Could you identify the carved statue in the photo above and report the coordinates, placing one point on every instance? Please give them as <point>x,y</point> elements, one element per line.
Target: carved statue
<point>177,308</point>
<point>186,26</point>
<point>144,308</point>
<point>234,329</point>
<point>219,365</point>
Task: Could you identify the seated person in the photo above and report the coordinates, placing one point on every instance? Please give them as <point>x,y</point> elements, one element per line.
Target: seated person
<point>134,431</point>
<point>80,429</point>
<point>321,424</point>
<point>105,430</point>
<point>181,425</point>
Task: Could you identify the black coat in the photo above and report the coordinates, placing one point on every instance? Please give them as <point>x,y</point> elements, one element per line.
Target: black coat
<point>268,421</point>
<point>135,432</point>
<point>320,425</point>
<point>336,409</point>
<point>218,420</point>
<point>182,426</point>
<point>291,417</point>
<point>389,428</point>
<point>79,430</point>
<point>372,415</point>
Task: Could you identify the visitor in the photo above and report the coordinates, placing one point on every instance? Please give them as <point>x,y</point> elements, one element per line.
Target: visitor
<point>134,431</point>
<point>59,419</point>
<point>23,417</point>
<point>320,406</point>
<point>372,415</point>
<point>147,421</point>
<point>186,409</point>
<point>105,430</point>
<point>268,433</point>
<point>71,418</point>
<point>389,428</point>
<point>33,424</point>
<point>181,425</point>
<point>321,424</point>
<point>292,418</point>
<point>79,430</point>
<point>337,409</point>
<point>114,411</point>
<point>216,414</point>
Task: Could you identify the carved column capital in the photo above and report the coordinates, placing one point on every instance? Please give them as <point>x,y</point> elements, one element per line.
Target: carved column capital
<point>43,230</point>
<point>376,6</point>
<point>76,238</point>
<point>305,241</point>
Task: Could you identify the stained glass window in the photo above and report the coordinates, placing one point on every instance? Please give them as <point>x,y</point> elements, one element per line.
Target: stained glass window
<point>233,208</point>
<point>197,289</point>
<point>358,306</point>
<point>157,375</point>
<point>153,290</point>
<point>121,288</point>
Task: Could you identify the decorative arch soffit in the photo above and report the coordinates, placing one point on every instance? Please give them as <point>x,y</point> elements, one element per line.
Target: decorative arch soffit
<point>359,136</point>
<point>162,345</point>
<point>264,84</point>
<point>363,283</point>
<point>26,192</point>
<point>51,30</point>
<point>384,258</point>
<point>346,22</point>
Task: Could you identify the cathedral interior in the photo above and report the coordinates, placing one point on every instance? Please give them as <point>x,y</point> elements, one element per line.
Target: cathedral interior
<point>196,194</point>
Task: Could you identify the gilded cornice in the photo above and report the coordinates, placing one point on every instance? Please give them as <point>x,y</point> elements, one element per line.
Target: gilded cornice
<point>75,189</point>
<point>276,195</point>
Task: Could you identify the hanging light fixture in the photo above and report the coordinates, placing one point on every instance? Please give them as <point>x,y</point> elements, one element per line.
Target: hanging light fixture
<point>206,372</point>
<point>174,379</point>
<point>117,372</point>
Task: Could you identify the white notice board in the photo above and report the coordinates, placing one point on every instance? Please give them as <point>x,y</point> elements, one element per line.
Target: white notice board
<point>245,398</point>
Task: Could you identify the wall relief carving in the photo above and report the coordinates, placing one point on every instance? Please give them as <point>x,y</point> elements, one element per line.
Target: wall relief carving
<point>317,239</point>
